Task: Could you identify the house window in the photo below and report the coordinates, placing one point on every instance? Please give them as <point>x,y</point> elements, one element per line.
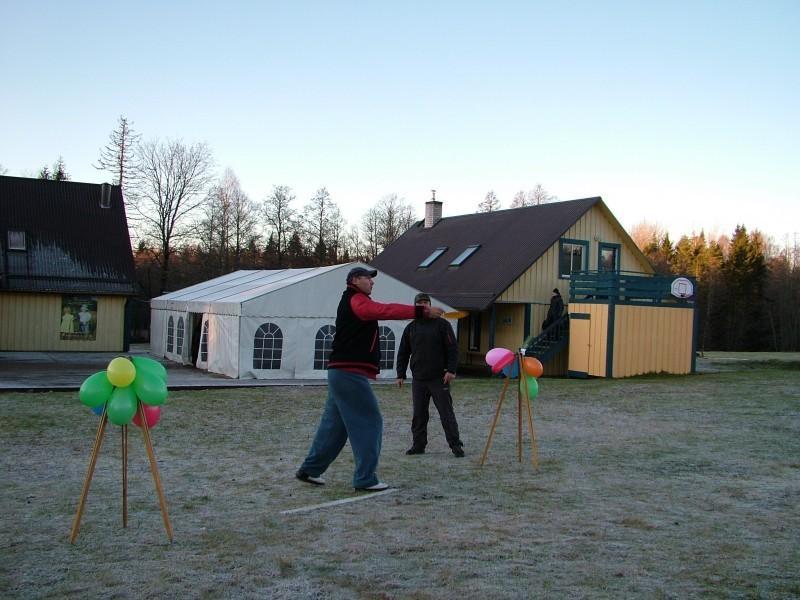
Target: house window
<point>204,343</point>
<point>179,337</point>
<point>572,255</point>
<point>16,240</point>
<point>434,255</point>
<point>323,344</point>
<point>475,331</point>
<point>387,347</point>
<point>608,257</point>
<point>459,260</point>
<point>170,334</point>
<point>268,347</point>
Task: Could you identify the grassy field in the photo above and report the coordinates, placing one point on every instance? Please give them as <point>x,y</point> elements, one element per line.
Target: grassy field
<point>649,487</point>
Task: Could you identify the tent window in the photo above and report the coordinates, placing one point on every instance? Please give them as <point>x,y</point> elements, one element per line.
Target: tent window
<point>387,347</point>
<point>204,343</point>
<point>179,337</point>
<point>268,347</point>
<point>322,346</point>
<point>170,334</point>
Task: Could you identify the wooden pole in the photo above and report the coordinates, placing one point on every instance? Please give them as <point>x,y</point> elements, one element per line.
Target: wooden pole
<point>519,410</point>
<point>124,475</point>
<point>154,469</point>
<point>494,422</point>
<point>534,447</point>
<point>98,441</point>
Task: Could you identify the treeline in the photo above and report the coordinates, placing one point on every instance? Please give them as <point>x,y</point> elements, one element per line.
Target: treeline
<point>748,289</point>
<point>231,232</point>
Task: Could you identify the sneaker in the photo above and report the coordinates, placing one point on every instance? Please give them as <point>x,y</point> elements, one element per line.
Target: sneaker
<point>305,477</point>
<point>415,450</point>
<point>378,487</point>
<point>458,451</point>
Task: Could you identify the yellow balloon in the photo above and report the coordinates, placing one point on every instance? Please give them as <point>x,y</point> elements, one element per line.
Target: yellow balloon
<point>121,372</point>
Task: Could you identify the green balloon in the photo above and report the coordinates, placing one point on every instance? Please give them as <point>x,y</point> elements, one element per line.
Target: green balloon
<point>143,364</point>
<point>151,389</point>
<point>95,390</point>
<point>532,385</point>
<point>122,406</point>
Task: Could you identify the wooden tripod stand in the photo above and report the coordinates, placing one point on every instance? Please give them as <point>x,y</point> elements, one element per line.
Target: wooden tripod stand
<point>98,441</point>
<point>534,448</point>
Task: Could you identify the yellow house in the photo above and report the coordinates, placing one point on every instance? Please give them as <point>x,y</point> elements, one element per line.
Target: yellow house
<point>501,268</point>
<point>66,267</point>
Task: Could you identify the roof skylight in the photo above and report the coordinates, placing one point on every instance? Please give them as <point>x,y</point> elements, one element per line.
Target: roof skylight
<point>459,260</point>
<point>434,255</point>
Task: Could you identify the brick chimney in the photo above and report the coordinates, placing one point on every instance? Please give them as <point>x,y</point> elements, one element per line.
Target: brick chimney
<point>433,211</point>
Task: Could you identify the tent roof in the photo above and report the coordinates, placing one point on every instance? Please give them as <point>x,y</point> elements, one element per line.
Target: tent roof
<point>240,286</point>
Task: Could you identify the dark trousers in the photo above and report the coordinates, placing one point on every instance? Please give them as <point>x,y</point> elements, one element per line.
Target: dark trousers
<point>421,393</point>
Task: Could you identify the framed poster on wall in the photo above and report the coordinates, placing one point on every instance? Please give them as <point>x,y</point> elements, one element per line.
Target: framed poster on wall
<point>78,318</point>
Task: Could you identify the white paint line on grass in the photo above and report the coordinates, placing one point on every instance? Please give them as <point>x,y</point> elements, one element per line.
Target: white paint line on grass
<point>364,496</point>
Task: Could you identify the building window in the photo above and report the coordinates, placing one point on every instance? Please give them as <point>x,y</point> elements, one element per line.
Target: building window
<point>16,240</point>
<point>572,255</point>
<point>475,331</point>
<point>459,260</point>
<point>170,334</point>
<point>387,347</point>
<point>608,257</point>
<point>267,347</point>
<point>179,337</point>
<point>322,346</point>
<point>204,343</point>
<point>434,255</point>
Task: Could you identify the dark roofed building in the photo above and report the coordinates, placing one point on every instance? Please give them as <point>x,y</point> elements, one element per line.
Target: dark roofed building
<point>501,267</point>
<point>66,266</point>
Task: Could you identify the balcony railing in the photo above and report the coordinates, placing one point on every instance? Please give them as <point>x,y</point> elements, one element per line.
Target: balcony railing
<point>630,287</point>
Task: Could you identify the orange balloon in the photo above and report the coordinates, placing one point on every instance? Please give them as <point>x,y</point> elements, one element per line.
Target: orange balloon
<point>532,366</point>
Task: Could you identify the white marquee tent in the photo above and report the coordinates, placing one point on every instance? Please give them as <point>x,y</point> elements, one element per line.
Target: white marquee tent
<point>267,324</point>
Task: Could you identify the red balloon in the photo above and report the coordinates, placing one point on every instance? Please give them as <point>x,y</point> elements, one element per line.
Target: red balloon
<point>151,413</point>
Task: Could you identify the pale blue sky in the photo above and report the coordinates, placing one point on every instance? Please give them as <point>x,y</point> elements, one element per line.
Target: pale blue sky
<point>682,113</point>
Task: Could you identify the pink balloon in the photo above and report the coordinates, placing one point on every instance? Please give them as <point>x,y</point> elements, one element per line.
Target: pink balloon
<point>151,413</point>
<point>498,358</point>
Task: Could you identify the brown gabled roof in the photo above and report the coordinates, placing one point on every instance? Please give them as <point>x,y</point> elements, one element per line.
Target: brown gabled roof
<point>72,244</point>
<point>511,241</point>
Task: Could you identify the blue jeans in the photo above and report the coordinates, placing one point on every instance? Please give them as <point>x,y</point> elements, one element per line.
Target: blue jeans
<point>351,411</point>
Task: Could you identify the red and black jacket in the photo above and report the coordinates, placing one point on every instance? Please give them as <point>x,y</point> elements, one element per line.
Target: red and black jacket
<point>356,345</point>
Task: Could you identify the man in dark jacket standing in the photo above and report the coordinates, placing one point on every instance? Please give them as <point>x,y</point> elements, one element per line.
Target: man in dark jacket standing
<point>351,411</point>
<point>431,345</point>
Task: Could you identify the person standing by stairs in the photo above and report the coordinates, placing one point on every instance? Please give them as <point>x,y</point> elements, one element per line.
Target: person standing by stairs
<point>555,310</point>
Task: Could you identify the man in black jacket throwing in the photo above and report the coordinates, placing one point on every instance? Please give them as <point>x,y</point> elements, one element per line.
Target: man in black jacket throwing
<point>431,345</point>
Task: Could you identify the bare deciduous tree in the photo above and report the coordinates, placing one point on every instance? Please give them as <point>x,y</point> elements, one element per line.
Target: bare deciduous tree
<point>395,216</point>
<point>228,224</point>
<point>118,156</point>
<point>170,183</point>
<point>645,233</point>
<point>370,227</point>
<point>319,214</point>
<point>490,203</point>
<point>534,197</point>
<point>281,219</point>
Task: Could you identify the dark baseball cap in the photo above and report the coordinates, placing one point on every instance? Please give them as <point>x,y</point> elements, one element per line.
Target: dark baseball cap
<point>359,272</point>
<point>422,297</point>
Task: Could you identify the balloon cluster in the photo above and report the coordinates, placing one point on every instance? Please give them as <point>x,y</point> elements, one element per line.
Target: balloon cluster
<point>532,369</point>
<point>119,389</point>
<point>503,359</point>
